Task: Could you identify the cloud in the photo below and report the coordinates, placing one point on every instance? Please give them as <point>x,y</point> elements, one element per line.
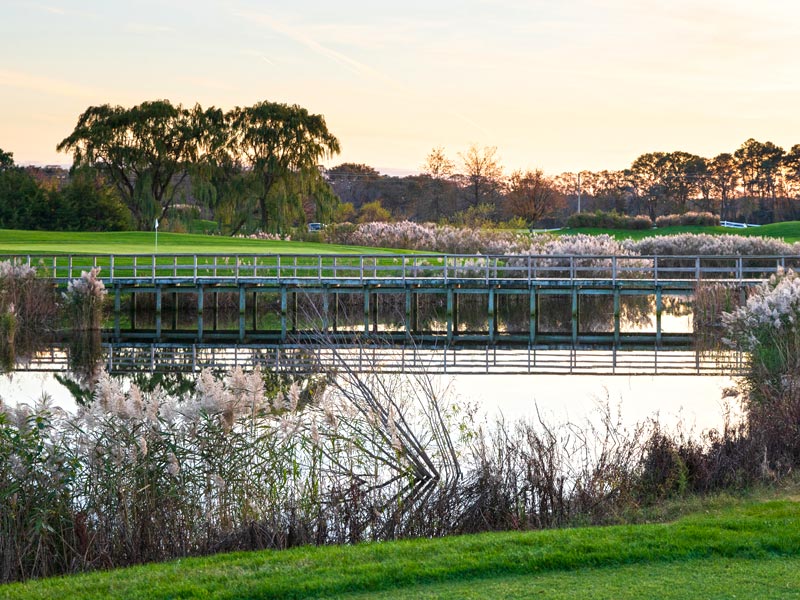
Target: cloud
<point>45,85</point>
<point>148,29</point>
<point>301,37</point>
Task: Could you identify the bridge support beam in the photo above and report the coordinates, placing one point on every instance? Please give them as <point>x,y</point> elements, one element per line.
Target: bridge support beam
<point>532,324</point>
<point>200,307</point>
<point>158,312</point>
<point>335,312</point>
<point>117,307</point>
<point>575,315</point>
<point>294,312</point>
<point>242,307</point>
<point>374,301</point>
<point>407,323</point>
<point>492,313</point>
<point>325,309</point>
<point>174,311</point>
<point>366,311</point>
<point>449,314</point>
<point>455,313</point>
<point>283,313</point>
<point>617,309</point>
<point>659,309</point>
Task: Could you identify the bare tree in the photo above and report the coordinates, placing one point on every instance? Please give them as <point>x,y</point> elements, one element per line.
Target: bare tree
<point>482,173</point>
<point>441,193</point>
<point>531,196</point>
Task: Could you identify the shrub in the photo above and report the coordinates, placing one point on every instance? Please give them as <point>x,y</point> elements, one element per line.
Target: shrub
<point>609,220</point>
<point>703,244</point>
<point>688,218</point>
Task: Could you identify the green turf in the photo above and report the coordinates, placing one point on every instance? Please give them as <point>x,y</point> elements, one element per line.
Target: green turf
<point>789,231</point>
<point>768,578</point>
<point>140,242</point>
<point>752,548</point>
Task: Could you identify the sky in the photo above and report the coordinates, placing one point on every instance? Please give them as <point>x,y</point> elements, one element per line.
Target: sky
<point>561,86</point>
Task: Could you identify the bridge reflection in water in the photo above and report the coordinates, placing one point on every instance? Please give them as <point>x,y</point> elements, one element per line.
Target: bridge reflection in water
<point>129,357</point>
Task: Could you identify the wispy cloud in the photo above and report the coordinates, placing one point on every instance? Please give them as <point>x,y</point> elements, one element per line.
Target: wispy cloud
<point>259,55</point>
<point>148,29</point>
<point>45,85</point>
<point>300,36</point>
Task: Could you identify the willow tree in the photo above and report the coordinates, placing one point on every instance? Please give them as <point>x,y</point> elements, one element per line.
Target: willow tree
<point>146,151</point>
<point>282,145</point>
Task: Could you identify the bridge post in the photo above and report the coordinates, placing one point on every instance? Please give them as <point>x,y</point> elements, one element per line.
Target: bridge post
<point>532,324</point>
<point>491,314</point>
<point>375,310</point>
<point>283,314</point>
<point>158,311</point>
<point>617,309</point>
<point>200,306</point>
<point>255,306</point>
<point>325,307</point>
<point>366,310</point>
<point>455,313</point>
<point>294,310</point>
<point>174,311</point>
<point>117,306</point>
<point>449,314</point>
<point>408,313</point>
<point>133,307</point>
<point>335,312</point>
<point>242,306</point>
<point>575,315</point>
<point>216,309</point>
<point>659,308</point>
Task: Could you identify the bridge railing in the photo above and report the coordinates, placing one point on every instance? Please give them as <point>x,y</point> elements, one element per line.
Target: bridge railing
<point>404,268</point>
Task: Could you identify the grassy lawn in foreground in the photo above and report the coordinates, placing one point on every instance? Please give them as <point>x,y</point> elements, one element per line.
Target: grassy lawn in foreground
<point>143,242</point>
<point>750,549</point>
<point>788,231</point>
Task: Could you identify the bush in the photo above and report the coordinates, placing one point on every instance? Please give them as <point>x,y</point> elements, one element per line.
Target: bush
<point>688,218</point>
<point>609,220</point>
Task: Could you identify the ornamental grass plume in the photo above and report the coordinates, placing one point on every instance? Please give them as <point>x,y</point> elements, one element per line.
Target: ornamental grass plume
<point>768,329</point>
<point>84,300</point>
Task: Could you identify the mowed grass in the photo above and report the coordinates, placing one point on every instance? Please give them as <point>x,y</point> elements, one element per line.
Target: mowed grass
<point>789,231</point>
<point>142,242</point>
<point>748,549</point>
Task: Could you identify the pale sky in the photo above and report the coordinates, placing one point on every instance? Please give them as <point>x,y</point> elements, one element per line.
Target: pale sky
<point>569,85</point>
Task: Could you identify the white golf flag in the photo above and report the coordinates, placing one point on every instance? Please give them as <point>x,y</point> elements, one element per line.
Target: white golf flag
<point>156,223</point>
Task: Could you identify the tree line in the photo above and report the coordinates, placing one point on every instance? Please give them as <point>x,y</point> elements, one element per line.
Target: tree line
<point>40,198</point>
<point>257,168</point>
<point>759,182</point>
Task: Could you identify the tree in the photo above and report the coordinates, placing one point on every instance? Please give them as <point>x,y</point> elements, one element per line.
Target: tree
<point>531,196</point>
<point>354,182</point>
<point>6,160</point>
<point>344,212</point>
<point>439,169</point>
<point>282,146</point>
<point>482,173</point>
<point>791,165</point>
<point>20,198</point>
<point>89,203</point>
<point>647,179</point>
<point>759,167</point>
<point>724,178</point>
<point>437,165</point>
<point>373,211</point>
<point>146,151</point>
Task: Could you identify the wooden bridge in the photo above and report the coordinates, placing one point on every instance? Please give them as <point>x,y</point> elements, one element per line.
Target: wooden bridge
<point>280,282</point>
